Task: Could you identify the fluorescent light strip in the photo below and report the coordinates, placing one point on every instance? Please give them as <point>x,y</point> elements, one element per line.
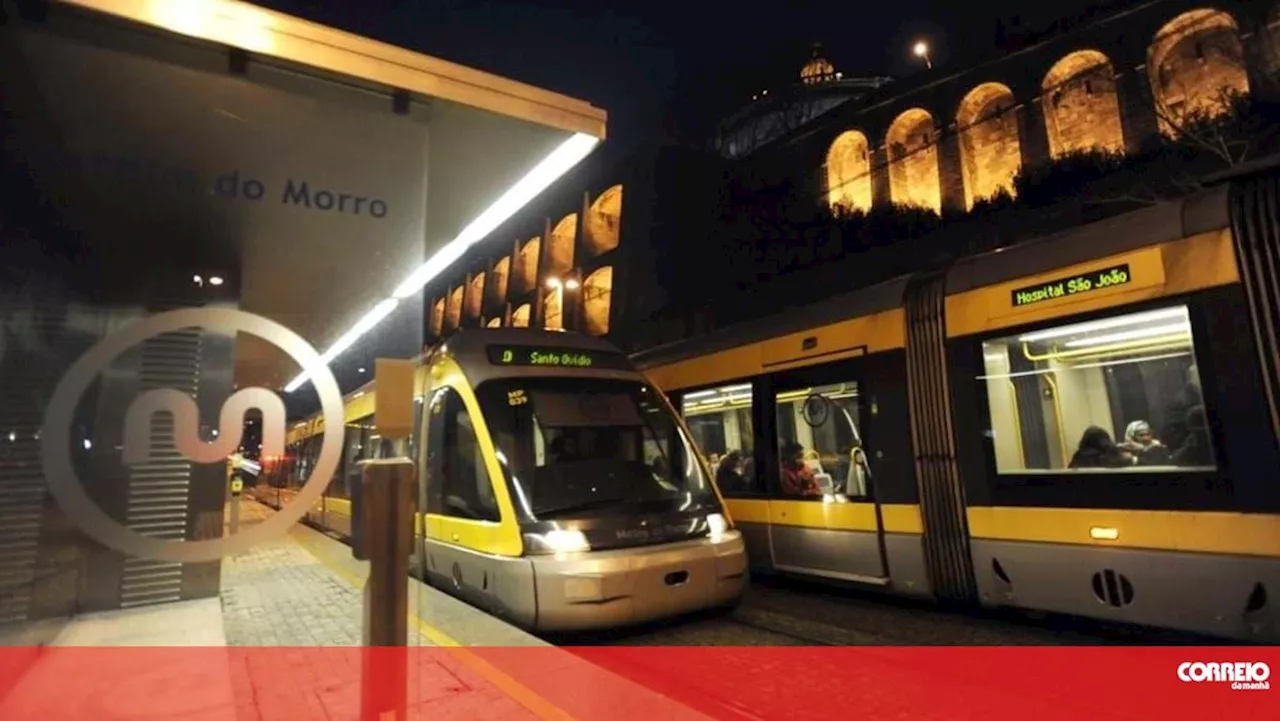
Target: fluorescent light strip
<point>1173,329</point>
<point>1105,324</point>
<point>557,163</point>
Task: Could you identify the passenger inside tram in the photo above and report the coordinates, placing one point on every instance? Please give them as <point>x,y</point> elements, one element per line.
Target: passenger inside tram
<point>1139,441</point>
<point>729,476</point>
<point>1097,450</point>
<point>797,478</point>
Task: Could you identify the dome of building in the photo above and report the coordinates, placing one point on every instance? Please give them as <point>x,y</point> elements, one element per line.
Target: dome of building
<point>818,69</point>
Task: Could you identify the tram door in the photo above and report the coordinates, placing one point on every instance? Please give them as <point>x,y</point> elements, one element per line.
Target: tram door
<point>823,516</point>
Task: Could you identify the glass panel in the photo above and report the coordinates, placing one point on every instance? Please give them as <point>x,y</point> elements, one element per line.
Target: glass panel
<point>1115,394</point>
<point>820,444</point>
<point>455,463</point>
<point>720,421</point>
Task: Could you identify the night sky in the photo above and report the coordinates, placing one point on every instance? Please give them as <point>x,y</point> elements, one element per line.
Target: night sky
<point>666,70</point>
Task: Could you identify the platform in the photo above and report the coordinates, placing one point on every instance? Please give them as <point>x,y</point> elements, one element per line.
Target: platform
<point>282,642</point>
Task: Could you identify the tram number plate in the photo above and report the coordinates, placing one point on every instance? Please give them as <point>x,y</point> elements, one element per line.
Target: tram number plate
<point>1072,285</point>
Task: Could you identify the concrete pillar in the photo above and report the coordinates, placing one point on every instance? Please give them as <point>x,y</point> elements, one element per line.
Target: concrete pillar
<point>881,192</point>
<point>1137,108</point>
<point>1033,136</point>
<point>950,172</point>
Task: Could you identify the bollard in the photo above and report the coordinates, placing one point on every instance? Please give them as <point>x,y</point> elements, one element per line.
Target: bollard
<point>388,499</point>
<point>237,486</point>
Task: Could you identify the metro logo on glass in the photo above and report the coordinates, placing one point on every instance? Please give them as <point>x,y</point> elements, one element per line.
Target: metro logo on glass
<point>1074,285</point>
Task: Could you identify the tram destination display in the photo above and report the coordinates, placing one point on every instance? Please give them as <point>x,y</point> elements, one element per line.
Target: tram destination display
<point>1072,285</point>
<point>557,357</point>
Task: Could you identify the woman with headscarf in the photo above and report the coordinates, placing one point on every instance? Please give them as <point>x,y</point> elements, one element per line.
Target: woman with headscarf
<point>1139,441</point>
<point>1097,450</point>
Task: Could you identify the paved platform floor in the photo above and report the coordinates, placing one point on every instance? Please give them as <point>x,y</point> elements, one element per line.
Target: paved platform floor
<point>282,642</point>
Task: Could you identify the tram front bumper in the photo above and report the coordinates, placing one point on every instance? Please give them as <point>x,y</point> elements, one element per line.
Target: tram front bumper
<point>604,589</point>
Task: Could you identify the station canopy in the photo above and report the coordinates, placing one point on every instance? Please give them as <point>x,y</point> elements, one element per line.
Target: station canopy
<point>326,177</point>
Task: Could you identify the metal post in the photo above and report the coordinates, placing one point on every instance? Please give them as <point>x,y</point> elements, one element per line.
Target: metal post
<point>388,500</point>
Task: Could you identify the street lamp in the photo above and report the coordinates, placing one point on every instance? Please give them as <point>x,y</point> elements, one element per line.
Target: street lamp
<point>921,50</point>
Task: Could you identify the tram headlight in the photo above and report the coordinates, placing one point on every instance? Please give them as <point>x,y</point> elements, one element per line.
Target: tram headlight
<point>565,541</point>
<point>716,525</point>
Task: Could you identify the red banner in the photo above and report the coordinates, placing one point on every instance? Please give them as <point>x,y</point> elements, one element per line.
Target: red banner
<point>649,684</point>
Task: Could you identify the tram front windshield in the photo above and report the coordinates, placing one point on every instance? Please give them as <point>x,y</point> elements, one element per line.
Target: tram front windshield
<point>575,447</point>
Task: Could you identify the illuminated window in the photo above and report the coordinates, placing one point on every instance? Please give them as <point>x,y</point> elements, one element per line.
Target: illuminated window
<point>720,420</point>
<point>1119,394</point>
<point>820,450</point>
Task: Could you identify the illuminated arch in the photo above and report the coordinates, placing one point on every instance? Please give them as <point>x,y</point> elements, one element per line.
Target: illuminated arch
<point>437,318</point>
<point>1196,63</point>
<point>526,273</point>
<point>913,161</point>
<point>990,148</point>
<point>849,172</point>
<point>1081,107</point>
<point>603,225</point>
<point>597,297</point>
<point>560,246</point>
<point>494,322</point>
<point>520,316</point>
<point>475,297</point>
<point>453,310</point>
<point>501,277</point>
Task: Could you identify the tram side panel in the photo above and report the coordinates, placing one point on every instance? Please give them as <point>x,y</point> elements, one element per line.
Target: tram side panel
<point>1180,535</point>
<point>873,534</point>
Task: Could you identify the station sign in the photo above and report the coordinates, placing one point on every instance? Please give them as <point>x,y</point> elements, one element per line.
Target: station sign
<point>1110,277</point>
<point>541,356</point>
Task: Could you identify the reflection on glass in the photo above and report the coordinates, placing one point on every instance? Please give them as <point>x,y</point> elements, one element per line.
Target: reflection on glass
<point>575,447</point>
<point>821,453</point>
<point>1115,394</point>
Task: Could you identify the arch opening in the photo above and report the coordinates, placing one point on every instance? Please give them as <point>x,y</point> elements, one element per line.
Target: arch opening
<point>453,311</point>
<point>603,224</point>
<point>849,172</point>
<point>913,161</point>
<point>1081,106</point>
<point>990,146</point>
<point>526,273</point>
<point>560,245</point>
<point>474,299</point>
<point>501,276</point>
<point>1196,65</point>
<point>437,317</point>
<point>597,299</point>
<point>520,316</point>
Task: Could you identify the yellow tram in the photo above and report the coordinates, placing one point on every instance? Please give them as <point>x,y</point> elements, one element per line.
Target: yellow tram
<point>560,490</point>
<point>1077,425</point>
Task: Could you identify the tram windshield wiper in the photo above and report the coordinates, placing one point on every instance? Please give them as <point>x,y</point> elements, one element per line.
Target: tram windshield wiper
<point>583,506</point>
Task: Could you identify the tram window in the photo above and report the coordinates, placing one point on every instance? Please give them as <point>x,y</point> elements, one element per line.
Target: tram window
<point>456,470</point>
<point>720,421</point>
<point>1119,394</point>
<point>574,446</point>
<point>820,444</point>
